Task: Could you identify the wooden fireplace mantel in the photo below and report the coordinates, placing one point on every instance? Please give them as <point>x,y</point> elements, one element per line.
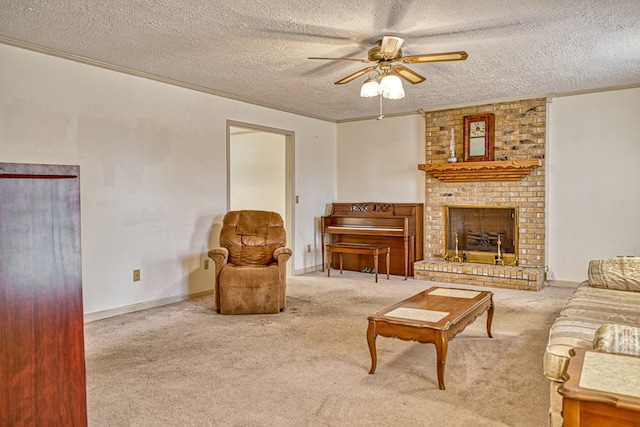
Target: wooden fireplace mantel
<point>503,170</point>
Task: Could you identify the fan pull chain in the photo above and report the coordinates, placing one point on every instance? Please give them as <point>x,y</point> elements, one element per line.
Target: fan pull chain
<point>381,116</point>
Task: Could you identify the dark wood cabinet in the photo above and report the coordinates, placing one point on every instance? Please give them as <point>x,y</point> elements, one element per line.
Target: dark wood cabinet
<point>42,365</point>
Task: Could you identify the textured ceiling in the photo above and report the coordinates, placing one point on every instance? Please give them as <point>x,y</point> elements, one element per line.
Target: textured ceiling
<point>257,50</point>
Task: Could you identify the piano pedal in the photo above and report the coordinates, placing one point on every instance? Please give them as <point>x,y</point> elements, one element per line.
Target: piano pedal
<point>365,270</point>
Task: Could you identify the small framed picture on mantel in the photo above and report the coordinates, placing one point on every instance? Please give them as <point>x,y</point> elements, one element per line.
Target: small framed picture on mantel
<point>478,137</point>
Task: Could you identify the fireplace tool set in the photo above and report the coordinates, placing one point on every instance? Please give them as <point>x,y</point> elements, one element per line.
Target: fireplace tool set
<point>497,259</point>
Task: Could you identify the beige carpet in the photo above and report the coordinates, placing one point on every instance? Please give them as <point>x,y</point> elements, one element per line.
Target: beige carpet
<point>185,365</point>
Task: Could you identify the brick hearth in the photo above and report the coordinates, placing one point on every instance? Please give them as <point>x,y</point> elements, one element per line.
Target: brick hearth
<point>495,276</point>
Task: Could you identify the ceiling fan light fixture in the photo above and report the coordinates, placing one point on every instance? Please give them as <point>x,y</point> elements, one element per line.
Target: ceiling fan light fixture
<point>370,88</point>
<point>384,77</point>
<point>391,86</point>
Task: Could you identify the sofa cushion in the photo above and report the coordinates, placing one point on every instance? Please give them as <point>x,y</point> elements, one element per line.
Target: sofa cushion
<point>621,273</point>
<point>617,338</point>
<point>604,305</point>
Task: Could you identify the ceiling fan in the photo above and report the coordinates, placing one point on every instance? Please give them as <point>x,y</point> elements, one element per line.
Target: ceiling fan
<point>388,60</point>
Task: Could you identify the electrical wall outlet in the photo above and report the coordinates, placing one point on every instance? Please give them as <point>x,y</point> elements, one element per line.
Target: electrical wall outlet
<point>136,275</point>
<point>308,248</point>
<point>206,264</point>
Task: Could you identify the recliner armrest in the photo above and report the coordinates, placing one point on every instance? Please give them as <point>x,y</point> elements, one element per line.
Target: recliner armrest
<point>220,256</point>
<point>282,254</point>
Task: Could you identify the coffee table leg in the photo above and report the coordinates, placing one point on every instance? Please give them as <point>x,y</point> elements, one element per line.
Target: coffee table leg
<point>371,340</point>
<point>442,345</point>
<point>490,318</point>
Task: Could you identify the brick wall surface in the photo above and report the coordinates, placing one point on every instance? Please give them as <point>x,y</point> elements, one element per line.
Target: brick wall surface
<point>520,131</point>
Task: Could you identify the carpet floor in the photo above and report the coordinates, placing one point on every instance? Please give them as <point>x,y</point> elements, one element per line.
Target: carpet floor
<point>185,365</point>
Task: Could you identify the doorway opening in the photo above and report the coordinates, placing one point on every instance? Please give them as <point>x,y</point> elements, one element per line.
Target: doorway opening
<point>260,171</point>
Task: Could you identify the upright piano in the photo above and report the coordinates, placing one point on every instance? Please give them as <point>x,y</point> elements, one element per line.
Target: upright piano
<point>397,225</point>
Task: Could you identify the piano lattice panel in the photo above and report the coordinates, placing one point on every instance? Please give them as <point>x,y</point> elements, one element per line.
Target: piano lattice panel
<point>360,207</point>
<point>383,207</point>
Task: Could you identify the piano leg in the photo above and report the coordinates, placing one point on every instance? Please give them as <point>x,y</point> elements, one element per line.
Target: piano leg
<point>375,264</point>
<point>406,257</point>
<point>388,261</point>
<point>323,251</point>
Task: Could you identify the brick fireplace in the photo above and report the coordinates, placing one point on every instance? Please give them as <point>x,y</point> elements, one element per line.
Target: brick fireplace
<point>515,179</point>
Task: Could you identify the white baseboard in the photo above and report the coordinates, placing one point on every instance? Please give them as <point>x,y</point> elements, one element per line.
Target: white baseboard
<point>104,314</point>
<point>117,311</point>
<point>563,283</point>
<point>306,270</point>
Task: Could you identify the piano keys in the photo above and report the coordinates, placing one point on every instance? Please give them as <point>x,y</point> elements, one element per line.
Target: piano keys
<point>397,225</point>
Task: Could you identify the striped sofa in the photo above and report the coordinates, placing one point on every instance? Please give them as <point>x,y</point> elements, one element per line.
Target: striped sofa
<point>603,313</point>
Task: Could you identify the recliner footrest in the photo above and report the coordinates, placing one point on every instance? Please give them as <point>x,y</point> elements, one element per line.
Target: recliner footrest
<point>242,291</point>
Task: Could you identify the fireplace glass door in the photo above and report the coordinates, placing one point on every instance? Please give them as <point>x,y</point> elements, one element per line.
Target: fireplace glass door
<point>487,235</point>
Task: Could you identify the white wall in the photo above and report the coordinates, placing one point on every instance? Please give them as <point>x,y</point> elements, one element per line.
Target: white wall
<point>153,169</point>
<point>378,160</point>
<point>593,163</point>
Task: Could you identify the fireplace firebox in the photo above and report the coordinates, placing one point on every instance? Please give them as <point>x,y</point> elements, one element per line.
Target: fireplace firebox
<point>482,234</point>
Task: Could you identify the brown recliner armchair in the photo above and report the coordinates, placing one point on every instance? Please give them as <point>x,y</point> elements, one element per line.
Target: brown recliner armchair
<point>250,264</point>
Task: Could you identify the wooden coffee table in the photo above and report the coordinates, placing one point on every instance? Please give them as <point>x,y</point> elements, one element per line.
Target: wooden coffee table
<point>435,315</point>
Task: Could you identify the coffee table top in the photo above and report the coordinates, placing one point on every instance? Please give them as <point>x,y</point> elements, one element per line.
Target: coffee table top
<point>434,308</point>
